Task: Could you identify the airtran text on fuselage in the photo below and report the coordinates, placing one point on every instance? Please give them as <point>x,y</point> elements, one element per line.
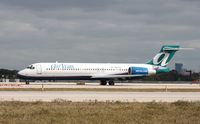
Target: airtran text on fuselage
<point>61,67</point>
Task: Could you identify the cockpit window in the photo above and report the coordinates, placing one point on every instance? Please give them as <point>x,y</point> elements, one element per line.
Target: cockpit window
<point>30,67</point>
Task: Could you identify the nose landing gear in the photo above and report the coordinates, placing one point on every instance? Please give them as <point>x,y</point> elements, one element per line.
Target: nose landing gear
<point>27,82</point>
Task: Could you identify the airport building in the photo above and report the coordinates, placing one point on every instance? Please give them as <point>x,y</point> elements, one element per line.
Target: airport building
<point>179,68</point>
<point>182,71</point>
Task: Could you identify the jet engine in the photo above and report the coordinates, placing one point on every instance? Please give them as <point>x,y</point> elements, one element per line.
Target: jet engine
<point>138,71</point>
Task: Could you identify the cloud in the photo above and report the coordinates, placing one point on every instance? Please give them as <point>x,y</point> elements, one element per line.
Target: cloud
<point>96,31</point>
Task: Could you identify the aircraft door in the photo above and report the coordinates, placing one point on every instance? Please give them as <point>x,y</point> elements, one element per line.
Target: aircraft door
<point>39,69</point>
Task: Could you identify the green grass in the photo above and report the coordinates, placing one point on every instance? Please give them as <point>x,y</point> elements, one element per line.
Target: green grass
<point>62,112</point>
<point>103,89</point>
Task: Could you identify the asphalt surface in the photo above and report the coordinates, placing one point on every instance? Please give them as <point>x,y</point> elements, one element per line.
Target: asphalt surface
<point>87,96</point>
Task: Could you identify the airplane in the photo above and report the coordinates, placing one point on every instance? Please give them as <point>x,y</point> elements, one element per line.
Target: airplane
<point>107,73</point>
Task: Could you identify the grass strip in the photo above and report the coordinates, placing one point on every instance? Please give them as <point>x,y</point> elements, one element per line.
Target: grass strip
<point>65,112</point>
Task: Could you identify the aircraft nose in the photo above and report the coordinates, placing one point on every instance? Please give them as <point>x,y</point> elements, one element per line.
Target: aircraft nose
<point>21,73</point>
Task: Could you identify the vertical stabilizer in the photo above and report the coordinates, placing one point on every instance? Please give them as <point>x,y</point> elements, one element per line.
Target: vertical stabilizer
<point>164,56</point>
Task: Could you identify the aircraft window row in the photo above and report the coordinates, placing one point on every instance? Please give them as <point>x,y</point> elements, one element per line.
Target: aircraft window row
<point>91,69</point>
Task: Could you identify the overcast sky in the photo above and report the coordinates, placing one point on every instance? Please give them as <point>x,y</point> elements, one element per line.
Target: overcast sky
<point>129,31</point>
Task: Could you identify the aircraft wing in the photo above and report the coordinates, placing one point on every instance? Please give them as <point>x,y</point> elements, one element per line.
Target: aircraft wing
<point>115,76</point>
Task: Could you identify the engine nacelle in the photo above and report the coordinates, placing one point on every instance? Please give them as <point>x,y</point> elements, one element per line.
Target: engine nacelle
<point>138,70</point>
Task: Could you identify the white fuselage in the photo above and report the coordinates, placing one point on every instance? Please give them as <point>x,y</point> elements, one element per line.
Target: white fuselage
<point>79,70</point>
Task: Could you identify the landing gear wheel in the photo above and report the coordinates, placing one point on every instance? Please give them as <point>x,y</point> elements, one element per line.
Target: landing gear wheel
<point>27,83</point>
<point>103,82</point>
<point>111,83</point>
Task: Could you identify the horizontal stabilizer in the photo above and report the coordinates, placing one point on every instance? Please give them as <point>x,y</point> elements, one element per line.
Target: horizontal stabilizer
<point>176,49</point>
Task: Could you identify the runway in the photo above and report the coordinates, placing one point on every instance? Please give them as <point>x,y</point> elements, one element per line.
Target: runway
<point>88,96</point>
<point>97,86</point>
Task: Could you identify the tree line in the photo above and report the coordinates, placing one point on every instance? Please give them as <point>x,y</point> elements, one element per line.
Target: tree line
<point>8,74</point>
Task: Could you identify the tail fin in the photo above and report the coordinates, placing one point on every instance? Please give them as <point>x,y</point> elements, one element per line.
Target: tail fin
<point>166,54</point>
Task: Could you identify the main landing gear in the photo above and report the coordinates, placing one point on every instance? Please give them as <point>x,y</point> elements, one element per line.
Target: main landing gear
<point>104,82</point>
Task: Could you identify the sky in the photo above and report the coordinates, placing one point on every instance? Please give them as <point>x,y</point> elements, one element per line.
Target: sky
<point>108,31</point>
